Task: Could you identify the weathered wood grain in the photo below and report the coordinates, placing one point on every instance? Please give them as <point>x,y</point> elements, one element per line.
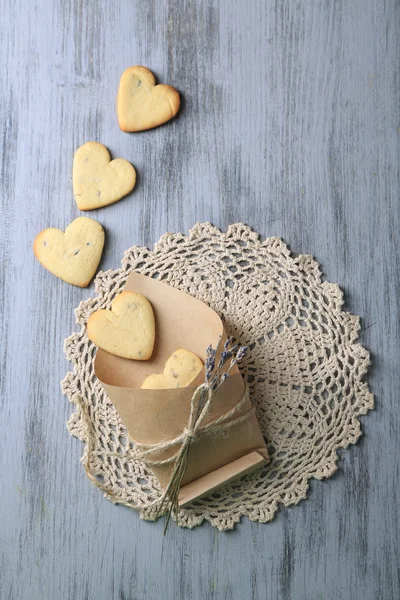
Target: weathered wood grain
<point>290,122</point>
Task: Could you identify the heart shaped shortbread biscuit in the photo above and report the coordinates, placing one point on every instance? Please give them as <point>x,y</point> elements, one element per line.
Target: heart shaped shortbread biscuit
<point>127,330</point>
<point>141,103</point>
<point>74,255</point>
<point>180,370</point>
<point>98,180</point>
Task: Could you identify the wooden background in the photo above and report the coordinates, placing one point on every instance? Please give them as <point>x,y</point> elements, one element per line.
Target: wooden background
<point>290,123</point>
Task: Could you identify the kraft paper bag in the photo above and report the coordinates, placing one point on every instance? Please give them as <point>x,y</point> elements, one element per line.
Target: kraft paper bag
<point>153,416</point>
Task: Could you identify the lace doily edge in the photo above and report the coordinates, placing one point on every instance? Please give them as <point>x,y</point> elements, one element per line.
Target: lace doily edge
<point>238,231</point>
<point>76,429</point>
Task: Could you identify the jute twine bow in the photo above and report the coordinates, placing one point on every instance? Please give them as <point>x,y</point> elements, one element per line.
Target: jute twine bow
<point>215,374</point>
<point>199,408</point>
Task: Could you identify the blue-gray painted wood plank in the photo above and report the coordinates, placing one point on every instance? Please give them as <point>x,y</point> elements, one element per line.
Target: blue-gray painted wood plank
<point>290,122</point>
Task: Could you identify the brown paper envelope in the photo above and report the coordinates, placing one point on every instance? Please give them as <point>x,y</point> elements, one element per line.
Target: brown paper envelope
<point>152,416</point>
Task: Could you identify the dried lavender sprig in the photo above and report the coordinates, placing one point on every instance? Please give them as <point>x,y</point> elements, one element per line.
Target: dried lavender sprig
<point>214,378</point>
<point>210,361</point>
<point>214,375</point>
<point>227,352</point>
<point>217,377</point>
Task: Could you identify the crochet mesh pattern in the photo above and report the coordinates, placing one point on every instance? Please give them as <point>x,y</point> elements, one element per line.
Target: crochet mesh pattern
<point>305,370</point>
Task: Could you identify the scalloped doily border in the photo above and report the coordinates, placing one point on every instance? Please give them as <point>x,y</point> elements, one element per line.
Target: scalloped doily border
<point>105,280</point>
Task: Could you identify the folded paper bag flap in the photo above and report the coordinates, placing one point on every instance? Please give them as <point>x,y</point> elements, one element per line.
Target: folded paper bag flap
<point>181,322</point>
<point>220,477</point>
<point>153,416</point>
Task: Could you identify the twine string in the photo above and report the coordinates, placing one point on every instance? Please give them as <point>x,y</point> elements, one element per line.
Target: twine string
<point>195,427</point>
<point>199,408</point>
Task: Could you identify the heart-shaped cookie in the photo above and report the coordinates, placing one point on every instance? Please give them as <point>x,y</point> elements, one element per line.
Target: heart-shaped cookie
<point>74,255</point>
<point>98,180</point>
<point>127,330</point>
<point>141,103</point>
<point>180,370</point>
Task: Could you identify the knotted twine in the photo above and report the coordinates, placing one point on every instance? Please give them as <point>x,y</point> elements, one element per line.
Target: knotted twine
<point>200,406</point>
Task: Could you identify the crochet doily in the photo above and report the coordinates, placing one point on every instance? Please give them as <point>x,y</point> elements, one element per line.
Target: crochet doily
<point>304,368</point>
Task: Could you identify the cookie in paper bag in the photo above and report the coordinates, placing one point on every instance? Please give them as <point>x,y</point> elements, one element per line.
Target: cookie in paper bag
<point>180,370</point>
<point>127,330</point>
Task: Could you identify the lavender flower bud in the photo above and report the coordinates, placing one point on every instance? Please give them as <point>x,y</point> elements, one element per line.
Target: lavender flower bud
<point>225,356</point>
<point>228,343</point>
<point>241,353</point>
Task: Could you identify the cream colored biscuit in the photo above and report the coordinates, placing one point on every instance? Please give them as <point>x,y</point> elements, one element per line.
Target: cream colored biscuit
<point>127,330</point>
<point>74,255</point>
<point>98,180</point>
<point>142,104</point>
<point>180,370</point>
<point>158,382</point>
